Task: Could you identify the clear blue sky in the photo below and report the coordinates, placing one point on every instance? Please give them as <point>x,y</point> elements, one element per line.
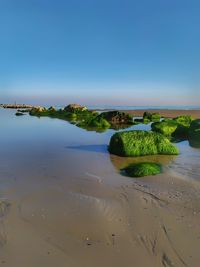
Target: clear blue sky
<point>123,52</point>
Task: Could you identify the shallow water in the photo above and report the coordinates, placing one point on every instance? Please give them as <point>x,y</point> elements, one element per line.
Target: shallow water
<point>35,142</point>
<point>62,183</point>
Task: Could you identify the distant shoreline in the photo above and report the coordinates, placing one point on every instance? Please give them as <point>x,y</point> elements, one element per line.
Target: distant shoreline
<point>170,113</point>
<point>16,106</point>
<point>165,112</point>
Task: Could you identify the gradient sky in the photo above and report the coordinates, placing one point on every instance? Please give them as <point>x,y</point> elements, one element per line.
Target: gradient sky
<point>121,52</point>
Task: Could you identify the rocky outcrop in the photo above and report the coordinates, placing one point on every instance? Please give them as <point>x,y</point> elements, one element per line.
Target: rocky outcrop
<point>16,106</point>
<point>74,108</point>
<point>194,133</point>
<point>35,111</point>
<point>176,128</point>
<point>151,117</point>
<point>117,117</point>
<point>140,143</point>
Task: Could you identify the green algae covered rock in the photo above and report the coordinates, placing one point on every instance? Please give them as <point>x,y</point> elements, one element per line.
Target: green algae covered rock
<point>194,133</point>
<point>140,143</point>
<point>184,120</point>
<point>166,127</point>
<point>143,169</point>
<point>155,117</point>
<point>93,121</point>
<point>99,122</point>
<point>148,117</point>
<point>175,129</point>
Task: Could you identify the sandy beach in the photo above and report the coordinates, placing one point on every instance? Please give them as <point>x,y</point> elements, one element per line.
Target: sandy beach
<point>64,201</point>
<point>168,113</point>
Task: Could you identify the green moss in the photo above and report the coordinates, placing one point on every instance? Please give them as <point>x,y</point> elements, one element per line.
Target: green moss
<point>194,133</point>
<point>184,120</point>
<point>148,117</point>
<point>99,122</point>
<point>94,122</point>
<point>166,127</point>
<point>155,117</point>
<point>175,129</point>
<point>140,143</point>
<point>151,117</point>
<point>143,169</point>
<point>72,116</point>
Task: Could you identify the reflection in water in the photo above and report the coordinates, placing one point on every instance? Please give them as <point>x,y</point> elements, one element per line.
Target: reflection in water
<point>194,144</point>
<point>122,162</point>
<point>187,163</point>
<point>91,148</point>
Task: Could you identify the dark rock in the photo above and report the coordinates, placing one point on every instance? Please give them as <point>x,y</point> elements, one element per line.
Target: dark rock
<point>74,108</point>
<point>194,133</point>
<point>117,117</point>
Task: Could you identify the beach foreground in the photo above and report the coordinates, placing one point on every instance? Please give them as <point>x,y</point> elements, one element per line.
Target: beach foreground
<point>65,202</point>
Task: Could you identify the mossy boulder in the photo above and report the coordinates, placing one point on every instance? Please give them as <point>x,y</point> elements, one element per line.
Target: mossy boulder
<point>140,143</point>
<point>147,116</point>
<point>180,134</point>
<point>184,120</point>
<point>117,117</point>
<point>143,169</point>
<point>194,133</point>
<point>151,117</point>
<point>166,127</point>
<point>175,129</point>
<point>155,117</point>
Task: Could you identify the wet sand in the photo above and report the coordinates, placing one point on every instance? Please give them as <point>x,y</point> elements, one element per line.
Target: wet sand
<point>91,223</point>
<point>169,113</point>
<point>65,203</point>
